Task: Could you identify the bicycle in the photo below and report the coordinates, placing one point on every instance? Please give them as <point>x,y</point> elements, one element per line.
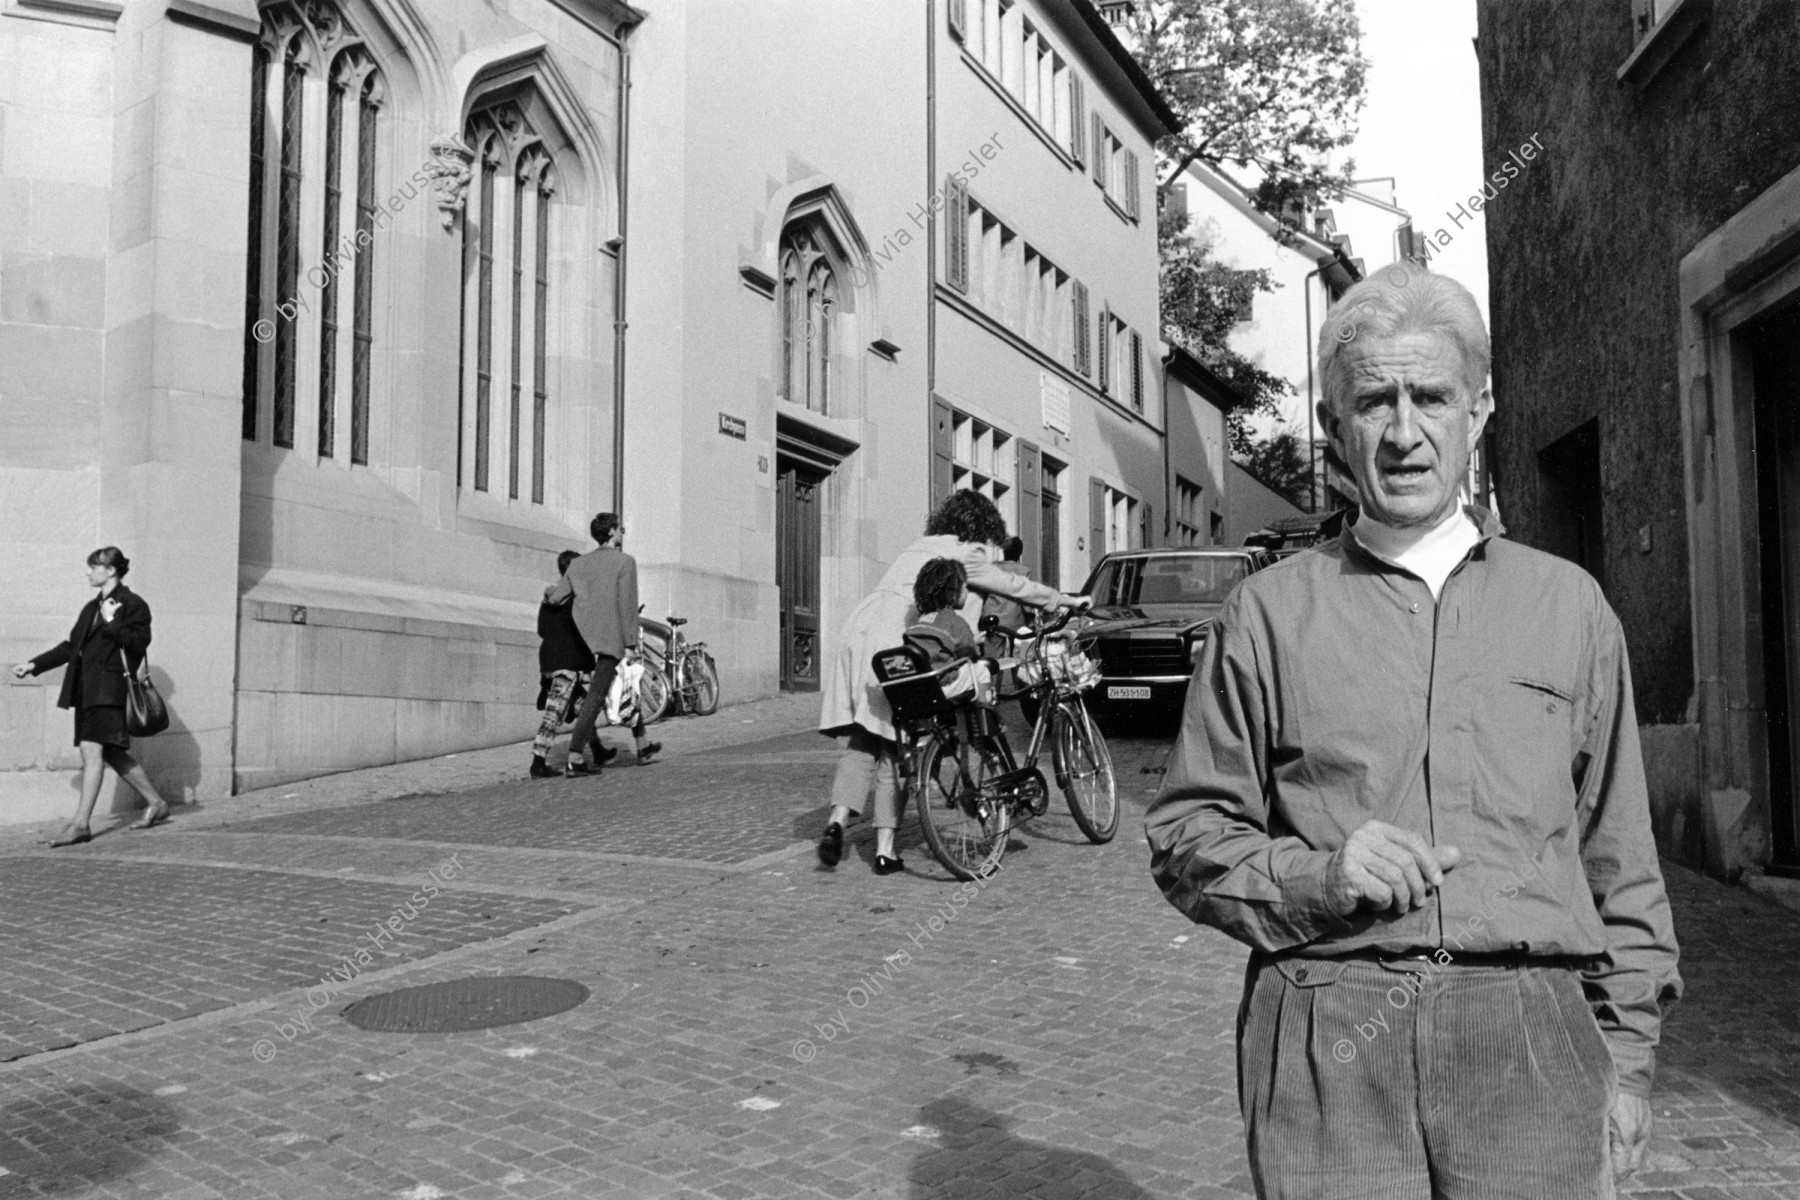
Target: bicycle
<point>680,677</point>
<point>958,768</point>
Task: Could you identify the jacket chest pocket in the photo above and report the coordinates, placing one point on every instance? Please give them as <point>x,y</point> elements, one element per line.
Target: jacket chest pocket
<point>1525,748</point>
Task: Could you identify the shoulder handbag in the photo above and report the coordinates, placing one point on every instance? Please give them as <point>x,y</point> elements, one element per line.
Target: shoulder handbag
<point>145,713</point>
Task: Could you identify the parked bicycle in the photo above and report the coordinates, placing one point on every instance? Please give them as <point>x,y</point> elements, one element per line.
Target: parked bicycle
<point>958,768</point>
<point>680,676</point>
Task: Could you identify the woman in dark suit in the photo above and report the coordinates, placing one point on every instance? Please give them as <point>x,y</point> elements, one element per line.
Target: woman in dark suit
<point>109,638</point>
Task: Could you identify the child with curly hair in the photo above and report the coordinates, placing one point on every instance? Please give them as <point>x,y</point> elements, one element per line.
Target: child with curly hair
<point>940,633</point>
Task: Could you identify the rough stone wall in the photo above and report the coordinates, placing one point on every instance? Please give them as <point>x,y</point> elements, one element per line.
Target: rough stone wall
<point>1583,255</point>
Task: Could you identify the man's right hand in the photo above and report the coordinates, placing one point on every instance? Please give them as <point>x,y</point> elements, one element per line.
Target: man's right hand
<point>1384,866</point>
<point>21,670</point>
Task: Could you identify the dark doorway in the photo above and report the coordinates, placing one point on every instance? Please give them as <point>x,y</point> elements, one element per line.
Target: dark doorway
<point>797,498</point>
<point>1774,343</point>
<point>1050,526</point>
<point>1569,474</point>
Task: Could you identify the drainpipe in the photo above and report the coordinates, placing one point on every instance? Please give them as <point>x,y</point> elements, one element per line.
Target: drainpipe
<point>931,227</point>
<point>623,142</point>
<point>1312,437</point>
<point>1168,465</point>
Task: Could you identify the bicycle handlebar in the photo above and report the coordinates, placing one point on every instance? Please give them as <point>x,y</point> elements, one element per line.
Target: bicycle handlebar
<point>1063,614</point>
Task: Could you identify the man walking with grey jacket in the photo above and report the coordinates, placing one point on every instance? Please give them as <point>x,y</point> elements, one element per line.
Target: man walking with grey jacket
<point>604,585</point>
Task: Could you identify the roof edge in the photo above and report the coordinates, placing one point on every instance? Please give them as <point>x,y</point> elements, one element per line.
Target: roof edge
<point>1162,117</point>
<point>1221,394</point>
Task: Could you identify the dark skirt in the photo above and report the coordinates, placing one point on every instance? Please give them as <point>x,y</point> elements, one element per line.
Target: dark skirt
<point>103,723</point>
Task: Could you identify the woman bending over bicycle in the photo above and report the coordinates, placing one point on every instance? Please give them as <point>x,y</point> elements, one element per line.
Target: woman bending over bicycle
<point>968,528</point>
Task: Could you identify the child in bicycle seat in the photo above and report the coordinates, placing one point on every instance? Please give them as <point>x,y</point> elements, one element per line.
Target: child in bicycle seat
<point>940,633</point>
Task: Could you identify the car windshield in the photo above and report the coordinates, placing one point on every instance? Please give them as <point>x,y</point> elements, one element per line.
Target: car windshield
<point>1197,579</point>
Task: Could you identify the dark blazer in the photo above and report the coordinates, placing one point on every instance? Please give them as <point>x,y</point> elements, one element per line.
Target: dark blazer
<point>561,647</point>
<point>97,651</point>
<point>604,583</point>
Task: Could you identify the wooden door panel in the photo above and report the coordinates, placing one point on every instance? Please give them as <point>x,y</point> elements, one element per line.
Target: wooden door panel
<point>797,573</point>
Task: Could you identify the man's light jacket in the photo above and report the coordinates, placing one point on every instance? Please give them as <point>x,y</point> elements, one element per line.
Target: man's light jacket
<point>1498,719</point>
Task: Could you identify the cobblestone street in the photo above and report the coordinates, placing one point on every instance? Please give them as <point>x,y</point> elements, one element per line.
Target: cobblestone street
<point>756,1026</point>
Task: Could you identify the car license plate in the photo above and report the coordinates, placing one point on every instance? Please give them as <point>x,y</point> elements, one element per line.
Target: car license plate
<point>1127,693</point>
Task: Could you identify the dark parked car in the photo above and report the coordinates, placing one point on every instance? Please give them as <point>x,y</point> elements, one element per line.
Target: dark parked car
<point>1152,611</point>
<point>1290,535</point>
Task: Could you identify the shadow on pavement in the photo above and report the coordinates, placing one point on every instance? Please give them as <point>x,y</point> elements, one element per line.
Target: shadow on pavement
<point>64,1141</point>
<point>976,1156</point>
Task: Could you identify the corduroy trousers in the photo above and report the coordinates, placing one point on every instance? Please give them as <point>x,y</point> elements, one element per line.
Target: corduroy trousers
<point>1422,1081</point>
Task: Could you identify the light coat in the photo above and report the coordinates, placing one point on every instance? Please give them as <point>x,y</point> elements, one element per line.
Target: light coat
<point>850,694</point>
<point>604,583</point>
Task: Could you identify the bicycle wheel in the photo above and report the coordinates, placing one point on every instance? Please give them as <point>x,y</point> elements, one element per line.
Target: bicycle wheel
<point>699,680</point>
<point>1084,771</point>
<point>965,833</point>
<point>653,693</point>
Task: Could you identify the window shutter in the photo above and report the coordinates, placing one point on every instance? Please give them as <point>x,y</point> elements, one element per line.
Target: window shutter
<point>1099,131</point>
<point>1031,514</point>
<point>1077,119</point>
<point>1096,522</point>
<point>1105,348</point>
<point>941,449</point>
<point>1083,362</point>
<point>956,234</point>
<point>1131,183</point>
<point>1137,371</point>
<point>958,16</point>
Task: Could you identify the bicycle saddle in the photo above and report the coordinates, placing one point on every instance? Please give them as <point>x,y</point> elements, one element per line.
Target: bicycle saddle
<point>678,620</point>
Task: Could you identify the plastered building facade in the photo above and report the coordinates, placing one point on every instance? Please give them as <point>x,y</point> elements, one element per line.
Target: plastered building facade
<point>341,319</point>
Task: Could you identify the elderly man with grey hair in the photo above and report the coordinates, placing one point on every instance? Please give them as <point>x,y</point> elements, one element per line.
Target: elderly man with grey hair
<point>1408,777</point>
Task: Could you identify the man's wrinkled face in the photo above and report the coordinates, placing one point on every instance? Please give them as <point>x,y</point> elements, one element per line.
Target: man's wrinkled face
<point>1406,421</point>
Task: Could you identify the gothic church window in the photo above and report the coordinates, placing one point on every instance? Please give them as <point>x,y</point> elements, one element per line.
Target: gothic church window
<point>507,253</point>
<point>809,301</point>
<point>309,284</point>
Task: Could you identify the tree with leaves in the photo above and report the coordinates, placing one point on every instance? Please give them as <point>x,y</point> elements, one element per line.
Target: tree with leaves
<point>1201,298</point>
<point>1269,86</point>
<point>1280,461</point>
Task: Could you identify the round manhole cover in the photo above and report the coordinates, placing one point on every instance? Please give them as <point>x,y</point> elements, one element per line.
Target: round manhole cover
<point>460,1005</point>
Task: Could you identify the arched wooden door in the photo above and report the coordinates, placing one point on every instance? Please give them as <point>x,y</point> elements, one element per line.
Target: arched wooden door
<point>798,498</point>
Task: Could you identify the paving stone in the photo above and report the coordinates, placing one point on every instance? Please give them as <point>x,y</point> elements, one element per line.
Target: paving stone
<point>986,1063</point>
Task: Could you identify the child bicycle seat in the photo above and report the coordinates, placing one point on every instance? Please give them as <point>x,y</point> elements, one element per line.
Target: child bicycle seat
<point>914,691</point>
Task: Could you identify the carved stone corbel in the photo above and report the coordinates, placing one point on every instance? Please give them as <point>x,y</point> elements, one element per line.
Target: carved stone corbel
<point>450,175</point>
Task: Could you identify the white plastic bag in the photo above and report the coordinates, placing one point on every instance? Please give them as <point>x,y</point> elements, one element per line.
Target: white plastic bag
<point>621,697</point>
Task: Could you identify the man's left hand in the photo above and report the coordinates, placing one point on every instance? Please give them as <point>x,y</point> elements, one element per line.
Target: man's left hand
<point>1627,1133</point>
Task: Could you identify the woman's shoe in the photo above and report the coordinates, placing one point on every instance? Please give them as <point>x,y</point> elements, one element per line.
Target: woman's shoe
<point>650,751</point>
<point>72,835</point>
<point>888,866</point>
<point>155,816</point>
<point>831,846</point>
